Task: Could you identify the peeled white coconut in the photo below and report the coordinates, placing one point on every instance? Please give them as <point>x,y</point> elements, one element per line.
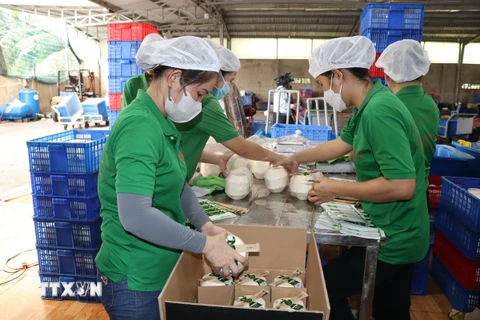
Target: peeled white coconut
<point>474,192</point>
<point>251,279</point>
<point>296,306</point>
<point>236,162</point>
<point>233,241</point>
<point>238,183</point>
<point>259,168</point>
<point>248,302</point>
<point>276,179</point>
<point>300,184</point>
<point>290,282</point>
<point>215,280</point>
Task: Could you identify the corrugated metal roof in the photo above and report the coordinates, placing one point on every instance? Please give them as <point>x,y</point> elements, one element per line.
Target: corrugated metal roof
<point>444,19</point>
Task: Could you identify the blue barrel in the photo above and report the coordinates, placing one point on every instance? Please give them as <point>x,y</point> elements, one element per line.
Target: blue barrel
<point>31,99</point>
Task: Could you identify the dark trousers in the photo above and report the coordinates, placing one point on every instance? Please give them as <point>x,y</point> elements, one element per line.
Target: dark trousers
<point>344,278</point>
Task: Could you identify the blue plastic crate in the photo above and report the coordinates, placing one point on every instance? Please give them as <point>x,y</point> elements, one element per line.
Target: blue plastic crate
<point>392,16</point>
<point>93,106</point>
<point>256,125</point>
<point>475,163</point>
<point>420,275</point>
<point>64,185</point>
<point>462,299</point>
<point>419,282</point>
<point>123,68</point>
<point>68,233</point>
<point>315,133</point>
<point>79,262</point>
<point>73,151</point>
<point>458,201</point>
<point>66,208</point>
<point>382,38</point>
<point>82,287</point>
<point>449,167</point>
<point>465,239</point>
<point>112,117</point>
<point>123,49</point>
<point>116,84</point>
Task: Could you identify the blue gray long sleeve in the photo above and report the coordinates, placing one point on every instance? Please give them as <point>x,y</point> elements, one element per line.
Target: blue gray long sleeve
<point>138,217</point>
<point>192,209</point>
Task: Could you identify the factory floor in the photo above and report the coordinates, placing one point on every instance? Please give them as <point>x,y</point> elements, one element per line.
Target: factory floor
<point>20,298</point>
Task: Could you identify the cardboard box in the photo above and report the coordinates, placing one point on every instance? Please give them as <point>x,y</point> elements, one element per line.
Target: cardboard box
<point>281,249</point>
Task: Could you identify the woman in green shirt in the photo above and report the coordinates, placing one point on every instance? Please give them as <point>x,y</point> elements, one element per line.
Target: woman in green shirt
<point>390,169</point>
<point>142,189</point>
<point>212,121</point>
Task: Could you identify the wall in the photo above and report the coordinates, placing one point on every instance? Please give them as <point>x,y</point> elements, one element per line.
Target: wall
<point>257,76</point>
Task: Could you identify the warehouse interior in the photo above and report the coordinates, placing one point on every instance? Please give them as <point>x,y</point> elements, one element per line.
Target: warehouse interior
<point>39,39</point>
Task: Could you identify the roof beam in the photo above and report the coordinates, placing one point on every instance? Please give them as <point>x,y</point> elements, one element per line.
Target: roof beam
<point>212,10</point>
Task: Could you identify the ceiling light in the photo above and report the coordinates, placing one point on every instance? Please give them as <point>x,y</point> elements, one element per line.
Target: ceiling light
<point>206,16</point>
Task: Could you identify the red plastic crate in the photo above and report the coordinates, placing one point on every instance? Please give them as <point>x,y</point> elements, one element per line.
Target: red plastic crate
<point>465,271</point>
<point>131,31</point>
<point>375,72</point>
<point>115,101</point>
<point>434,191</point>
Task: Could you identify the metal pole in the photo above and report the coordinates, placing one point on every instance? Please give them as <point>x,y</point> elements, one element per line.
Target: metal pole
<point>221,35</point>
<point>461,51</point>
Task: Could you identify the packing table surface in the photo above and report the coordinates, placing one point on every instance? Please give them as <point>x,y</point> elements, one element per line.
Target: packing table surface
<point>284,210</point>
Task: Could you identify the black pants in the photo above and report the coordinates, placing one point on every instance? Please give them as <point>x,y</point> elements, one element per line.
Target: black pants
<point>344,278</point>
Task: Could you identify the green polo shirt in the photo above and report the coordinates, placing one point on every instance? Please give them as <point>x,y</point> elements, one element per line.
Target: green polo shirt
<point>142,156</point>
<point>427,117</point>
<point>386,143</point>
<point>212,122</point>
<point>131,88</point>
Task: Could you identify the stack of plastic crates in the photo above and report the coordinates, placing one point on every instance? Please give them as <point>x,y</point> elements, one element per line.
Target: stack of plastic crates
<point>385,24</point>
<point>420,273</point>
<point>456,258</point>
<point>124,40</point>
<point>64,171</point>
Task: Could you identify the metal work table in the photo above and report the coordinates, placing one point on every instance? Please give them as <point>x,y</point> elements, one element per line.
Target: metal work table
<point>284,210</point>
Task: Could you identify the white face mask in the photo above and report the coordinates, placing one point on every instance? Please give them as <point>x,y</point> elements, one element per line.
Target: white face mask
<point>334,99</point>
<point>185,110</point>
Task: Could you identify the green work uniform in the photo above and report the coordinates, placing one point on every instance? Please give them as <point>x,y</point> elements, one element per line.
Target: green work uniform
<point>142,156</point>
<point>386,143</point>
<point>212,122</point>
<point>427,117</point>
<point>131,88</point>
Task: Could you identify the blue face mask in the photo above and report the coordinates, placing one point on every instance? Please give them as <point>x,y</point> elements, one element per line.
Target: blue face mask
<point>220,93</point>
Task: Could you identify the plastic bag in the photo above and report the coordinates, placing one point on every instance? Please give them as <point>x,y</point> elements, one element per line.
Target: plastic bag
<point>449,152</point>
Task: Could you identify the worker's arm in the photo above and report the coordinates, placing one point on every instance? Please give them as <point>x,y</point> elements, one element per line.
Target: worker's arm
<point>379,190</point>
<point>250,150</point>
<point>324,152</point>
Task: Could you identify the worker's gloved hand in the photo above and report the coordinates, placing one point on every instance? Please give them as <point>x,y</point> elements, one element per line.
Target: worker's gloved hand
<point>323,190</point>
<point>221,256</point>
<point>289,163</point>
<point>222,162</point>
<point>210,229</point>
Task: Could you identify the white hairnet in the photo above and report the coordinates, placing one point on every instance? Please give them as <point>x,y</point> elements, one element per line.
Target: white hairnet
<point>348,52</point>
<point>188,53</point>
<point>150,38</point>
<point>228,60</point>
<point>404,60</point>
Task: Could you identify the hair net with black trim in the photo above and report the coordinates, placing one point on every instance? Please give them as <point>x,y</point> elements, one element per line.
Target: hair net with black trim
<point>187,53</point>
<point>228,60</point>
<point>404,60</point>
<point>347,52</point>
